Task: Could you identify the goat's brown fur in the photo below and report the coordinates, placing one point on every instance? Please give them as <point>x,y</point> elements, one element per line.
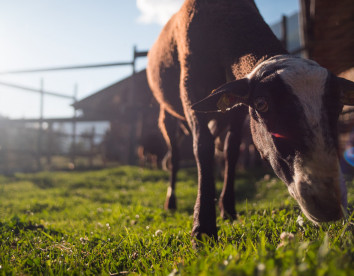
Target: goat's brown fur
<point>204,45</point>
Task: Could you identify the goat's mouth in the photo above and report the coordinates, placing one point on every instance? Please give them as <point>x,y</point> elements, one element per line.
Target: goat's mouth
<point>319,206</point>
<point>317,211</point>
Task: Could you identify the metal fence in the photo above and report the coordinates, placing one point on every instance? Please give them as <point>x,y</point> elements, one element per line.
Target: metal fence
<point>26,147</point>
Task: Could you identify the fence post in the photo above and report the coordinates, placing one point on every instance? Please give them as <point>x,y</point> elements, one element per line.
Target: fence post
<point>4,153</point>
<point>73,153</point>
<point>284,31</point>
<point>136,112</point>
<point>132,113</point>
<point>40,129</point>
<point>50,138</point>
<point>307,10</point>
<point>92,146</point>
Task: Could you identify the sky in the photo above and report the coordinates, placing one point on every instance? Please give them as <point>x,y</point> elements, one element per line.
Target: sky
<point>42,33</point>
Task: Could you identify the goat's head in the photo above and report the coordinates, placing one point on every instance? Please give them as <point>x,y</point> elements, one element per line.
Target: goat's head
<point>294,109</point>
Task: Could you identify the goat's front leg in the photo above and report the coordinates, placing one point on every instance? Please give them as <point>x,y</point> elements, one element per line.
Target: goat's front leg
<point>204,209</point>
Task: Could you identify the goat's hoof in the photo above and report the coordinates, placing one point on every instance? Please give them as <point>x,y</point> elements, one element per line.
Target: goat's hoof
<point>227,210</point>
<point>200,237</point>
<point>170,203</point>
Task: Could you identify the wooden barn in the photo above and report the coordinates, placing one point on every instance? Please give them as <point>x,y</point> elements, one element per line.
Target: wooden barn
<point>133,114</point>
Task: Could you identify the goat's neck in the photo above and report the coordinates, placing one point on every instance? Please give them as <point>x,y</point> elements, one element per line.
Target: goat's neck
<point>245,64</point>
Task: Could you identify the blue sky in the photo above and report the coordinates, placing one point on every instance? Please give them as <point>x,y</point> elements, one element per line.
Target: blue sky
<point>42,33</point>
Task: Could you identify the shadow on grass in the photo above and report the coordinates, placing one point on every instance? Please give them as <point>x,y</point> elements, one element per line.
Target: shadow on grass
<point>16,225</point>
<point>245,187</point>
<point>245,183</point>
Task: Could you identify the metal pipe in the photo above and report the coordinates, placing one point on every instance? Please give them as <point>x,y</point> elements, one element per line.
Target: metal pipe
<point>35,90</point>
<point>74,67</point>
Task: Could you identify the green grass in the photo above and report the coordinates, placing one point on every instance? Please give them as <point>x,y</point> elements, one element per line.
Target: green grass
<point>112,222</point>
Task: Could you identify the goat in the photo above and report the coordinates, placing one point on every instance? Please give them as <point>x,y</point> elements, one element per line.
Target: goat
<point>225,46</point>
<point>150,151</point>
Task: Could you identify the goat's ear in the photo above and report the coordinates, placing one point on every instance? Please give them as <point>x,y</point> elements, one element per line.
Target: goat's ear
<point>346,91</point>
<point>225,97</point>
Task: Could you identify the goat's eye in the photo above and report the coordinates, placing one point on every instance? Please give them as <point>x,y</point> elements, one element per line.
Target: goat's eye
<point>261,104</point>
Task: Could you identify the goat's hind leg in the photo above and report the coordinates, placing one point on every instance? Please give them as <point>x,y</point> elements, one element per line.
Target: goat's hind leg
<point>169,126</point>
<point>231,154</point>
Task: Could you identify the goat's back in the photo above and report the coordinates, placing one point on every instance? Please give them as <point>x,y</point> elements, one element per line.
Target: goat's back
<point>210,42</point>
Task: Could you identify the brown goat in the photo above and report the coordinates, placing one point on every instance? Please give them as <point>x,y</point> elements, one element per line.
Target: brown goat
<point>293,104</point>
<point>150,151</point>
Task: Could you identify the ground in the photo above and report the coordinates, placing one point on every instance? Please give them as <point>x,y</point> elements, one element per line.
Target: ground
<point>112,222</point>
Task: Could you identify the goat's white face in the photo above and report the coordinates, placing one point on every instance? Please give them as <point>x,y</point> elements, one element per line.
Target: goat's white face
<point>294,108</point>
<point>299,134</point>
